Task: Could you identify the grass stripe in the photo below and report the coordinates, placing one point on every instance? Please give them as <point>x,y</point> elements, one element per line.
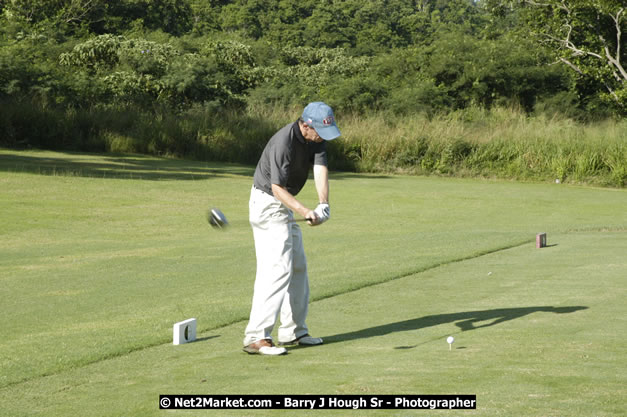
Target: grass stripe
<point>243,319</point>
<point>164,341</point>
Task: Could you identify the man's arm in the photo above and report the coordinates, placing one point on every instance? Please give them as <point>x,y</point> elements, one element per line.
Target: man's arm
<point>321,178</point>
<point>292,203</point>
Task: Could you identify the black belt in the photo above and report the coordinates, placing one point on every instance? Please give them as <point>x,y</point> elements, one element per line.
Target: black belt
<point>263,191</point>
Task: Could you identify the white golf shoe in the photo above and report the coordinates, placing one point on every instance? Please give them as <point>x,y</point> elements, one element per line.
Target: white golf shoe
<point>264,347</point>
<point>305,340</point>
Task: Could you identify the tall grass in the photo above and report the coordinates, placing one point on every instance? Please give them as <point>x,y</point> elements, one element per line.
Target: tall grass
<point>501,142</point>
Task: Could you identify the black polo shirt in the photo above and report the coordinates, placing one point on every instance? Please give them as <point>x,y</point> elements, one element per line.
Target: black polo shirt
<point>287,159</point>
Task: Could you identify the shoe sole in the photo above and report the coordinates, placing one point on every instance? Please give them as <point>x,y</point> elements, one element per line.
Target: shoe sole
<point>252,351</point>
<point>298,343</point>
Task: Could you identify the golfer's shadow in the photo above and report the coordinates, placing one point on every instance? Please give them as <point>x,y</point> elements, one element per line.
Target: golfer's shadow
<point>466,321</point>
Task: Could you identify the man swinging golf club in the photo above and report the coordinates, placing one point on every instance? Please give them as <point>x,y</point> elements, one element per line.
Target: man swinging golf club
<point>281,283</point>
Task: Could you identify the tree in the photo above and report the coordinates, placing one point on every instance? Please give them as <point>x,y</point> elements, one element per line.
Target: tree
<point>70,13</point>
<point>585,35</point>
<point>103,16</point>
<point>144,72</point>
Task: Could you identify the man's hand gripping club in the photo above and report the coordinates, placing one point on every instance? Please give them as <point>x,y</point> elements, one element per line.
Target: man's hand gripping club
<point>314,217</point>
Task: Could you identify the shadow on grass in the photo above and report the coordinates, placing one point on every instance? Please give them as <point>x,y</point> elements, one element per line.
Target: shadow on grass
<point>466,321</point>
<point>204,339</point>
<point>347,175</point>
<point>136,167</point>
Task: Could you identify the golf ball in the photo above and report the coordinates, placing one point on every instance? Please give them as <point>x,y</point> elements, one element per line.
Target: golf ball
<point>450,339</point>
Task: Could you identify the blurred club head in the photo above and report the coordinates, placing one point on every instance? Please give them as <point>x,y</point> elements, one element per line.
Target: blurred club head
<point>217,219</point>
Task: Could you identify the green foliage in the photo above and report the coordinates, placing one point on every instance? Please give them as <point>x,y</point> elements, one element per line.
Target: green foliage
<point>302,74</point>
<point>99,53</point>
<point>102,16</point>
<point>476,142</point>
<point>400,56</point>
<point>586,35</point>
<point>458,71</point>
<point>73,66</point>
<point>204,17</point>
<point>137,70</point>
<point>366,27</point>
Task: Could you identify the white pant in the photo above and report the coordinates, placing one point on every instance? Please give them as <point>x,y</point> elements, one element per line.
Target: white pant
<point>281,283</point>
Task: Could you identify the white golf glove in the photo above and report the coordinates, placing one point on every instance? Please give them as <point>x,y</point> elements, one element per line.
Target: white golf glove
<point>323,211</point>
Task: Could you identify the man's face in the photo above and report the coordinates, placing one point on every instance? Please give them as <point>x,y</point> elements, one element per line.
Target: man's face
<point>310,134</point>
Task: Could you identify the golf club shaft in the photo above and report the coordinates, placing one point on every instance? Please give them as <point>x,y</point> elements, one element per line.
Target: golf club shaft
<point>217,219</point>
<point>298,220</point>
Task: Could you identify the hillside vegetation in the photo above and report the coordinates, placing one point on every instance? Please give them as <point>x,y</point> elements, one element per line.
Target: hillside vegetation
<point>450,87</point>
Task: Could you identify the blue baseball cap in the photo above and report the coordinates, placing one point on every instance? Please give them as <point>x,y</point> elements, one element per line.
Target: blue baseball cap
<point>320,116</point>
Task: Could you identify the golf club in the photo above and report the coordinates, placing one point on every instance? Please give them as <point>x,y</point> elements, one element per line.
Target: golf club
<point>218,220</point>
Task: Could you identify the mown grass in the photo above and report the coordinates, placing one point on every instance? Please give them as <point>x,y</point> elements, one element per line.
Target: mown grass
<point>100,255</point>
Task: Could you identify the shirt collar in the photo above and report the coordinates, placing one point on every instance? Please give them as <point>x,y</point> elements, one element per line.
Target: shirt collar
<point>297,132</point>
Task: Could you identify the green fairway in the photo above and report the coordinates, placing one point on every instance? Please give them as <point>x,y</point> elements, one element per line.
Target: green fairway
<point>101,255</point>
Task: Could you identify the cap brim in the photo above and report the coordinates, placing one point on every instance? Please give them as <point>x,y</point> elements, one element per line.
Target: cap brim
<point>328,132</point>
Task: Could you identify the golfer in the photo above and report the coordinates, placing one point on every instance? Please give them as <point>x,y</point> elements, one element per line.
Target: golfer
<point>282,283</point>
